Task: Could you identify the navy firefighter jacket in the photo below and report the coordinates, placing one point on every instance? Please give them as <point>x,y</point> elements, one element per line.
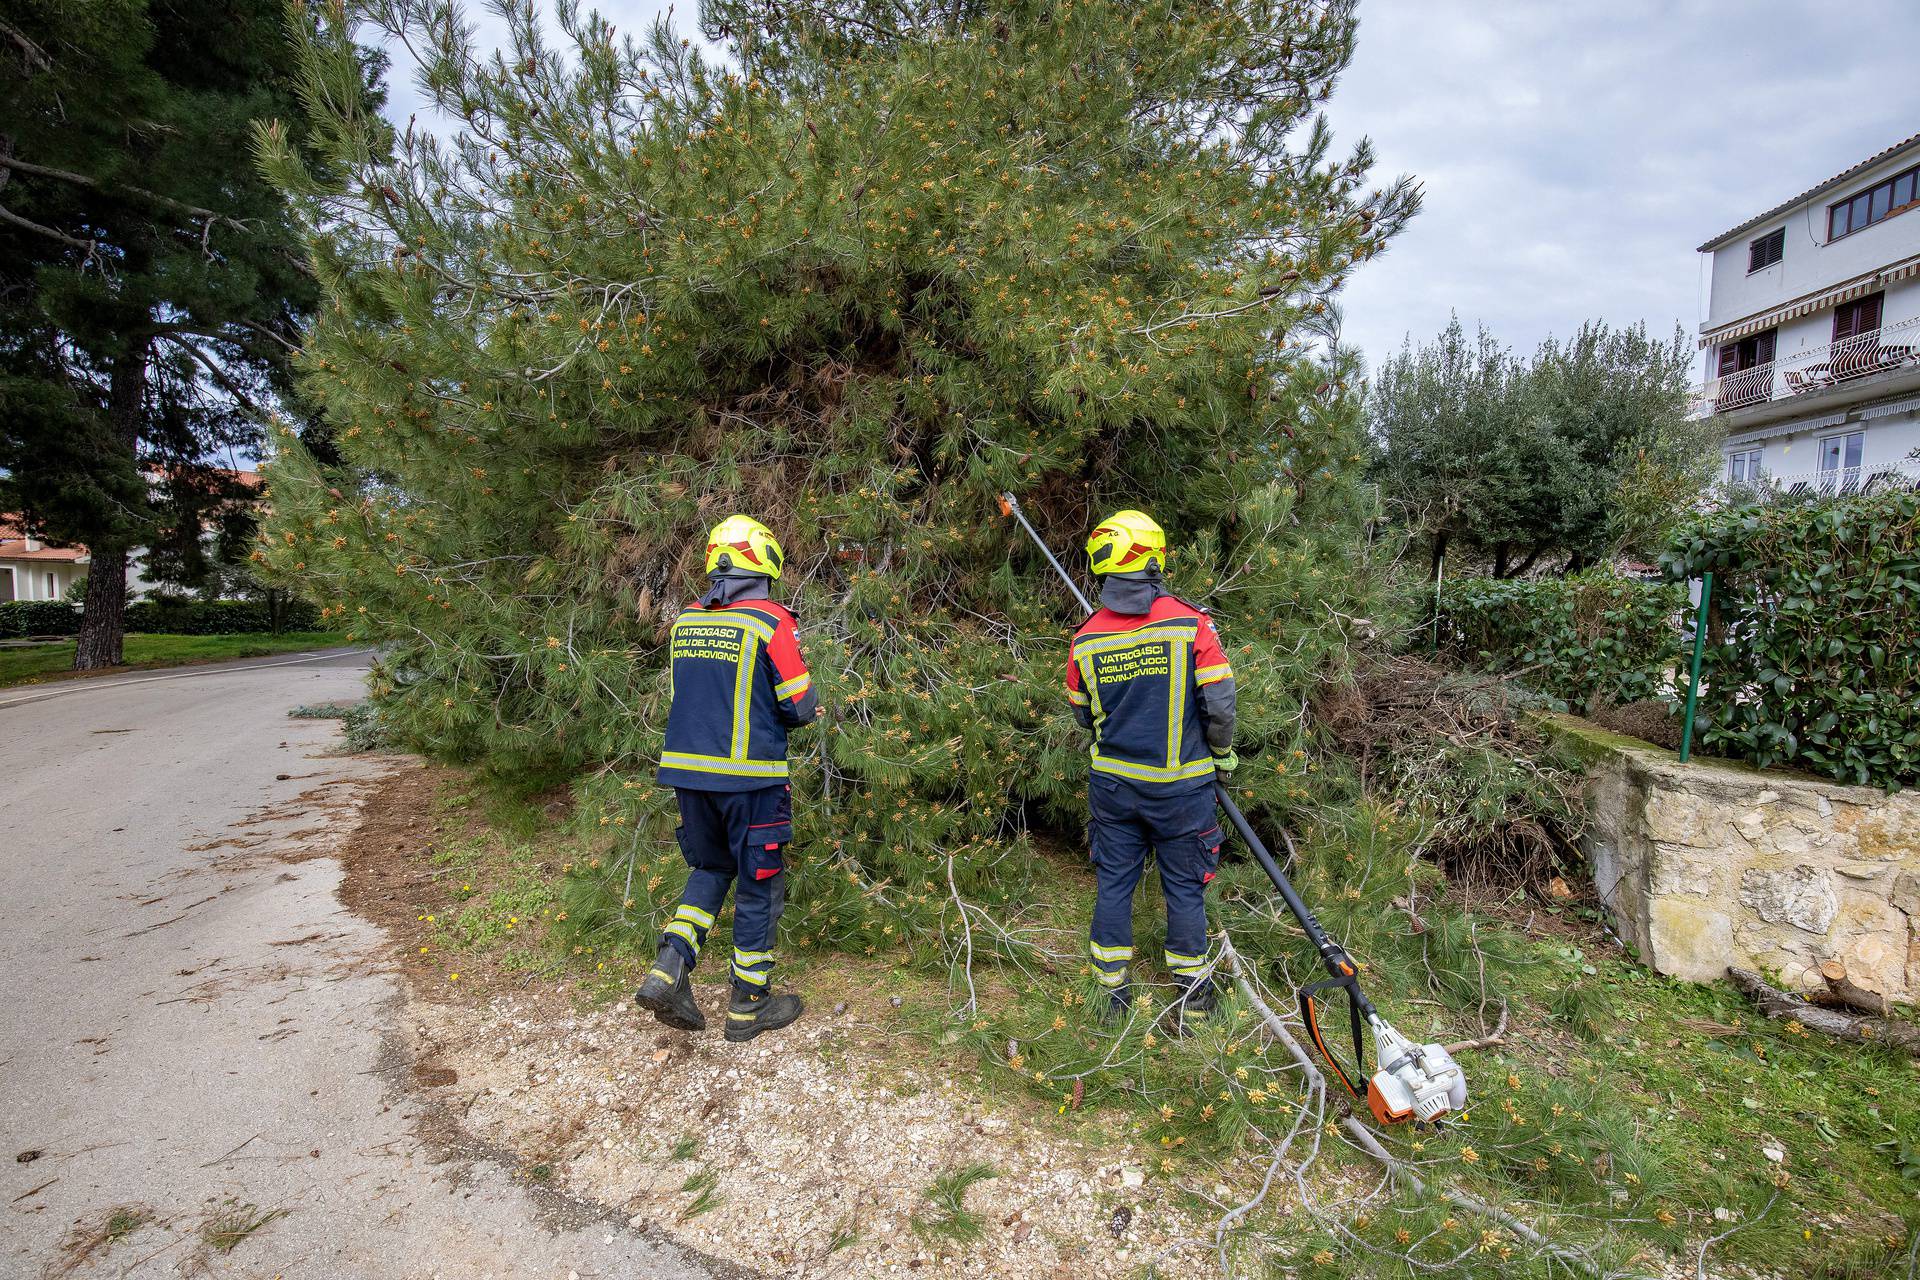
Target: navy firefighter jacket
<point>1157,691</point>
<point>738,685</point>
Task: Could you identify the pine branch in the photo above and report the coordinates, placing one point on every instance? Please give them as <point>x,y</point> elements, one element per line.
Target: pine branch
<point>82,180</point>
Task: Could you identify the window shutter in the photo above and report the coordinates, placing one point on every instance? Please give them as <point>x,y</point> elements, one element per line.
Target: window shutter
<point>1763,347</point>
<point>1729,360</point>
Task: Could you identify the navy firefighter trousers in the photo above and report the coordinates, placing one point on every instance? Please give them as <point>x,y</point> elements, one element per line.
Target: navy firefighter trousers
<point>729,836</point>
<point>1183,831</point>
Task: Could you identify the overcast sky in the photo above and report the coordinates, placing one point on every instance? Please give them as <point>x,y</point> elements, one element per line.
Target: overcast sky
<point>1575,153</point>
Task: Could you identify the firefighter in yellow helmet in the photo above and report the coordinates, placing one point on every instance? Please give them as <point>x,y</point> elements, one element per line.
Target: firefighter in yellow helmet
<point>1147,675</point>
<point>739,684</point>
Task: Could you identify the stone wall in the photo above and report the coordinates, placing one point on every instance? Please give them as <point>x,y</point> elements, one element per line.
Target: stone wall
<point>1709,864</point>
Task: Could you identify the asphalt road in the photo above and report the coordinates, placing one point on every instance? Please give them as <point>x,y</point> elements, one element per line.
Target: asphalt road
<point>194,1029</point>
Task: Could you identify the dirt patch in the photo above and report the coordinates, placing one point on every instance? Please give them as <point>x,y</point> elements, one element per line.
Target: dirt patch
<point>812,1152</point>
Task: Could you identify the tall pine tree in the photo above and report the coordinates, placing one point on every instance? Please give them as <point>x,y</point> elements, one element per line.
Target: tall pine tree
<point>894,260</point>
<point>152,284</point>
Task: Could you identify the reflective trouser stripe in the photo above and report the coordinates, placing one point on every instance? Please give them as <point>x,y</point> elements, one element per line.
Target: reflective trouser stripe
<point>1110,953</point>
<point>687,911</point>
<point>752,967</point>
<point>1111,977</point>
<point>685,930</point>
<point>1186,966</point>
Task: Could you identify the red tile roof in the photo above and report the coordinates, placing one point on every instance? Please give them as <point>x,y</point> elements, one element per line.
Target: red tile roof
<point>13,545</point>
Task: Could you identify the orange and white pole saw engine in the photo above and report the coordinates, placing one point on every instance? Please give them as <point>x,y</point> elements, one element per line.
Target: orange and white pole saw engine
<point>1411,1082</point>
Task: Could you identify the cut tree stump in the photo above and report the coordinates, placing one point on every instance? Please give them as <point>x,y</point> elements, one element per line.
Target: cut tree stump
<point>1844,992</point>
<point>1858,1027</point>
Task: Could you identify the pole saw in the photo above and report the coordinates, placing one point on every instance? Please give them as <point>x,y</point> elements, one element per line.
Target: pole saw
<point>1411,1081</point>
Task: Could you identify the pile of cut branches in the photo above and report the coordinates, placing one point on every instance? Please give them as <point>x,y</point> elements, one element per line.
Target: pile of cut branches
<point>1456,752</point>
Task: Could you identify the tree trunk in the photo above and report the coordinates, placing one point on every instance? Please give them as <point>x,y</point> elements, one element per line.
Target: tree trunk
<point>1439,555</point>
<point>1500,561</point>
<point>103,620</point>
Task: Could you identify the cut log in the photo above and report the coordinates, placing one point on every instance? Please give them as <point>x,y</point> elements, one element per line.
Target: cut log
<point>1844,991</point>
<point>1857,1027</point>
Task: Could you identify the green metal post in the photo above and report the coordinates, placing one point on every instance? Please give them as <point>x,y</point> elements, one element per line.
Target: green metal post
<point>1699,646</point>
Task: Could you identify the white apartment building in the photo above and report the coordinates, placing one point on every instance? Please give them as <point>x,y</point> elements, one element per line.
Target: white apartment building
<point>1812,332</point>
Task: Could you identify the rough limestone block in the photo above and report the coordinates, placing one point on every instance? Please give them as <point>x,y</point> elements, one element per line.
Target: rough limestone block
<point>1802,897</point>
<point>1689,939</point>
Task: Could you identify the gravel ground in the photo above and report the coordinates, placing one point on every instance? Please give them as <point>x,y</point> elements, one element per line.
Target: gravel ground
<point>807,1149</point>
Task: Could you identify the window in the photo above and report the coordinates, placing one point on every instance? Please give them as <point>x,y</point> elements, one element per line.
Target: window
<point>1744,467</point>
<point>1840,461</point>
<point>1745,372</point>
<point>1856,318</point>
<point>1766,251</point>
<point>1896,195</point>
<point>53,592</point>
<point>6,583</point>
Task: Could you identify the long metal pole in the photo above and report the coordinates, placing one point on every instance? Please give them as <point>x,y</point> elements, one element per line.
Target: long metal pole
<point>1699,646</point>
<point>1331,953</point>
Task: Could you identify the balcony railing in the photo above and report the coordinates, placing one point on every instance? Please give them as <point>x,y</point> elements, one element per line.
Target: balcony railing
<point>1880,350</point>
<point>1830,482</point>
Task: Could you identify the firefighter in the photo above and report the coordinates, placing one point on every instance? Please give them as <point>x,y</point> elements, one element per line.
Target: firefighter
<point>1147,675</point>
<point>739,685</point>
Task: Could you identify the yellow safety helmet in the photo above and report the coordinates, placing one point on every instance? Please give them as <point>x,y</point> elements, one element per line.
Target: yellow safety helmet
<point>741,544</point>
<point>1127,541</point>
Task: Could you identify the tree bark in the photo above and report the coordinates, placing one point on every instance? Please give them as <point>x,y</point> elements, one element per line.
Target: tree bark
<point>1859,1028</point>
<point>103,619</point>
<point>1500,560</point>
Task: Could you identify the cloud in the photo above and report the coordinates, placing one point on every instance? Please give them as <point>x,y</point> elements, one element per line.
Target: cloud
<point>1574,154</point>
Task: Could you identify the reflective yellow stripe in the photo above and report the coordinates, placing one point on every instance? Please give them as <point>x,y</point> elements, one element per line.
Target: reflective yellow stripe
<point>1093,696</point>
<point>751,958</point>
<point>1177,702</point>
<point>749,976</point>
<point>1174,958</point>
<point>794,687</point>
<point>743,696</point>
<point>720,764</point>
<point>684,929</point>
<point>1111,978</point>
<point>1172,629</point>
<point>1110,953</point>
<point>1150,773</point>
<point>687,911</point>
<point>1078,698</point>
<point>741,1017</point>
<point>1213,674</point>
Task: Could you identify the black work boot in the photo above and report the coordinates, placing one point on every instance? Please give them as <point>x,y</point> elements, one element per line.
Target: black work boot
<point>668,992</point>
<point>752,1012</point>
<point>1196,1005</point>
<point>1119,1005</point>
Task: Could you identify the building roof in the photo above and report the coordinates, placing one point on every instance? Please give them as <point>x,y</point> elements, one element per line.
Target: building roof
<point>1838,179</point>
<point>13,545</point>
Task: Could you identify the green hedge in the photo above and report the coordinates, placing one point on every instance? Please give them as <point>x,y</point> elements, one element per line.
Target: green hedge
<point>1587,636</point>
<point>162,617</point>
<point>1813,642</point>
<point>20,618</point>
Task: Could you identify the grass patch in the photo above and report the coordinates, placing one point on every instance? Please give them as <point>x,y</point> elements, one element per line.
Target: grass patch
<point>946,1215</point>
<point>1625,1112</point>
<point>42,662</point>
<point>702,1186</point>
<point>685,1149</point>
<point>234,1222</point>
<point>98,1236</point>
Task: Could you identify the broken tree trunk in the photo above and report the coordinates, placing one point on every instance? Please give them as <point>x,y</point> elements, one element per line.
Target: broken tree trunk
<point>1858,1027</point>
